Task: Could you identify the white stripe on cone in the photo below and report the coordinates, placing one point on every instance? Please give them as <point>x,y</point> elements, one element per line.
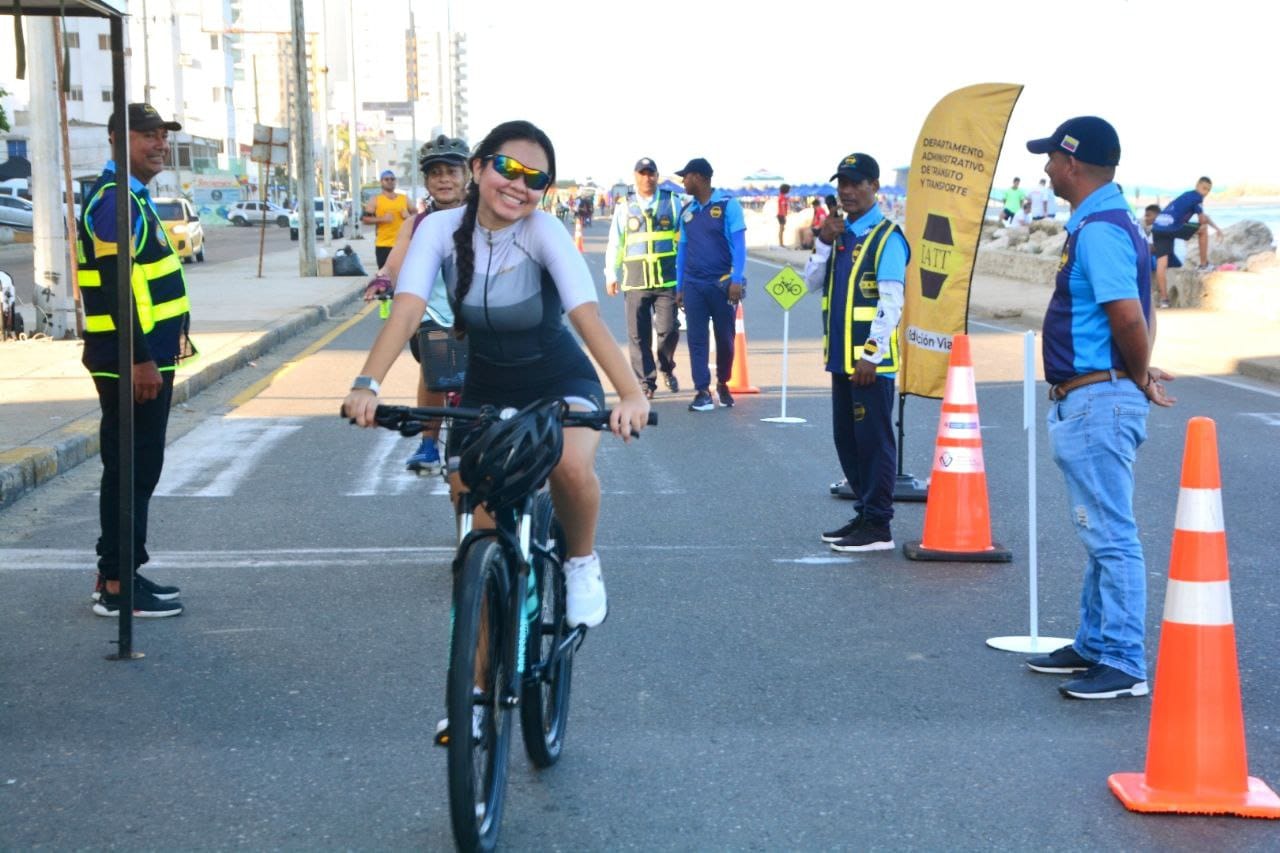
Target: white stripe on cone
<point>960,388</point>
<point>1198,602</point>
<point>1199,511</point>
<point>959,425</point>
<point>959,460</point>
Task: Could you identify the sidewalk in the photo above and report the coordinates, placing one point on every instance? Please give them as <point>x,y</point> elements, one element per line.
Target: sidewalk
<point>1192,341</point>
<point>49,415</point>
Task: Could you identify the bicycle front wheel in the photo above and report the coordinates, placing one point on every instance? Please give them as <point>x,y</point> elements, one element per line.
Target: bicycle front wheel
<point>548,668</point>
<point>479,720</point>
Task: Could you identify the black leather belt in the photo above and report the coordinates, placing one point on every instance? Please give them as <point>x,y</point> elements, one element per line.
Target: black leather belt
<point>1065,387</point>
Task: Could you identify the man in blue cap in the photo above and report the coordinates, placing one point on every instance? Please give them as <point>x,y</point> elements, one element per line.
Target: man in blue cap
<point>1098,333</point>
<point>711,263</point>
<point>859,263</point>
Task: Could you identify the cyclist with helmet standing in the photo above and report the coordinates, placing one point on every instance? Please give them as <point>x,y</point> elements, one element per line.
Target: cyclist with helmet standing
<point>511,273</point>
<point>443,161</point>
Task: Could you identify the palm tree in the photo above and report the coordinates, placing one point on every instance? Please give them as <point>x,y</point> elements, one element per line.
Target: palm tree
<point>344,152</point>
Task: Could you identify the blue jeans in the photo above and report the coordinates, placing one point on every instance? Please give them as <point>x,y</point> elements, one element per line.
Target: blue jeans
<point>1095,433</point>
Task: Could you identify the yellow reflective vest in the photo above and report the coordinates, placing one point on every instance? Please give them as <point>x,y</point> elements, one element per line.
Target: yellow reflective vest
<point>649,250</point>
<point>851,299</point>
<point>161,310</point>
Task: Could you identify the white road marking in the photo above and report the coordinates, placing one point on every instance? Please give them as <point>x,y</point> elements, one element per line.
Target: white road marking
<point>212,459</point>
<point>1269,418</point>
<point>814,561</point>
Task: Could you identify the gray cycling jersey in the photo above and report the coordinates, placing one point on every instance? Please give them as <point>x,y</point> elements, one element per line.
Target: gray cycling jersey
<point>527,276</point>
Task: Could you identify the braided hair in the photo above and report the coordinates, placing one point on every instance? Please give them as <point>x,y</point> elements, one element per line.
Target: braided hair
<point>464,238</point>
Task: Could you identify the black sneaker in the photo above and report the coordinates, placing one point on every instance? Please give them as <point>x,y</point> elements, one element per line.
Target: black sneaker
<point>145,605</point>
<point>1063,661</point>
<point>1103,682</point>
<point>726,399</point>
<point>866,537</point>
<point>157,591</point>
<point>702,402</point>
<point>672,385</point>
<point>841,532</point>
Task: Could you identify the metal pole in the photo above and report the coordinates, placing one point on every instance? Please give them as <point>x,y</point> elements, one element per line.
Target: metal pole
<point>324,119</point>
<point>175,35</point>
<point>146,56</point>
<point>1029,424</point>
<point>306,160</point>
<point>410,178</point>
<point>124,347</point>
<point>353,162</point>
<point>71,299</point>
<point>262,170</point>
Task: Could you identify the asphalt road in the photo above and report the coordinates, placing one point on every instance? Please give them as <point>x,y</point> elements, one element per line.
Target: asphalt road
<point>750,690</point>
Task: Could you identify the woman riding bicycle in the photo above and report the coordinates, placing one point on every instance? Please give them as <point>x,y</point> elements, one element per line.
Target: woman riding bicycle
<point>443,162</point>
<point>511,271</point>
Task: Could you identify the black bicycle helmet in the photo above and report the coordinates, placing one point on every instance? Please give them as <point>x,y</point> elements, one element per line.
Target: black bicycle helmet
<point>443,149</point>
<point>510,459</point>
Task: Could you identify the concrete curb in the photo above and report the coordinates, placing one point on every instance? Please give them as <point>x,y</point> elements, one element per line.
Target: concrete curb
<point>24,468</point>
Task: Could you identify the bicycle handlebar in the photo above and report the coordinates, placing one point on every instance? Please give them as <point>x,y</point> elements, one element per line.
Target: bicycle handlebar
<point>411,420</point>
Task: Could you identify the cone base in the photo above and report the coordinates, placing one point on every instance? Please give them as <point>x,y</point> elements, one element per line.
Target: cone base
<point>1025,645</point>
<point>1133,791</point>
<point>907,489</point>
<point>996,554</point>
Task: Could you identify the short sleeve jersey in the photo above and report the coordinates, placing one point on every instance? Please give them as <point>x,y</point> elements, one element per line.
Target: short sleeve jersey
<point>387,231</point>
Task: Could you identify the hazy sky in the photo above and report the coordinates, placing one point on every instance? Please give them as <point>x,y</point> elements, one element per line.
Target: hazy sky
<point>1191,87</point>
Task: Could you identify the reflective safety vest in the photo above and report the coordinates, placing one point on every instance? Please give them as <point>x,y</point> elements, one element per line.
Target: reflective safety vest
<point>649,254</point>
<point>160,304</point>
<point>850,307</point>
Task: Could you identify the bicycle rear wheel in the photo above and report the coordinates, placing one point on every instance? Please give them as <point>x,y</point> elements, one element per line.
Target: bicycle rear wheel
<point>544,703</point>
<point>479,722</point>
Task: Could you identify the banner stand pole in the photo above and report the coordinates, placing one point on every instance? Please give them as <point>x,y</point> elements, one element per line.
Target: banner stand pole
<point>1033,644</point>
<point>906,488</point>
<point>786,334</point>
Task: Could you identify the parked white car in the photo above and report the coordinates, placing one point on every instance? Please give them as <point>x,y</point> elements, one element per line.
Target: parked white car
<point>254,212</point>
<point>15,212</point>
<point>337,219</point>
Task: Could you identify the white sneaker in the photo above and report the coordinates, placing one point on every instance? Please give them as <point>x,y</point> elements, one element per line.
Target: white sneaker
<point>585,603</point>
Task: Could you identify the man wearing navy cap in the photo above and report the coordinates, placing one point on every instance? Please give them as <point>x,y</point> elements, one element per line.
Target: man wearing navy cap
<point>711,263</point>
<point>859,263</point>
<point>160,323</point>
<point>642,256</point>
<point>1098,333</point>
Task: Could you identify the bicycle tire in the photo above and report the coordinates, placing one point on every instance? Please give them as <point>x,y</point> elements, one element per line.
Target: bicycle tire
<point>544,701</point>
<point>478,766</point>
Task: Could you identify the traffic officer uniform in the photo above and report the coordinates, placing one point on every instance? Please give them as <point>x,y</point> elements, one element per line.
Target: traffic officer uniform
<point>160,326</point>
<point>861,323</point>
<point>642,246</point>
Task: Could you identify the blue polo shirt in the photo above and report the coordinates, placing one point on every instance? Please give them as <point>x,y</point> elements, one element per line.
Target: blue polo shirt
<point>102,215</point>
<point>1178,212</point>
<point>1102,267</point>
<point>707,250</point>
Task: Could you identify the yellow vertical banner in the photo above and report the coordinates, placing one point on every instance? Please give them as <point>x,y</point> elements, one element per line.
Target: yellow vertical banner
<point>952,169</point>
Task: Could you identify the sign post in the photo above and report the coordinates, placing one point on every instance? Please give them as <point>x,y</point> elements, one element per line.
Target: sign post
<point>787,288</point>
<point>270,148</point>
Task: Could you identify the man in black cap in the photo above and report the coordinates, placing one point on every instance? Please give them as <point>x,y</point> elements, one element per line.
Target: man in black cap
<point>642,256</point>
<point>859,263</point>
<point>1098,333</point>
<point>711,263</point>
<point>159,325</point>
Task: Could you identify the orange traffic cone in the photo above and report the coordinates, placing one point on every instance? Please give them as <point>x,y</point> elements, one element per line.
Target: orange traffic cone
<point>739,381</point>
<point>1195,749</point>
<point>577,236</point>
<point>957,517</point>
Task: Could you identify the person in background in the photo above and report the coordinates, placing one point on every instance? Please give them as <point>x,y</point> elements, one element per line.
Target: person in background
<point>159,327</point>
<point>711,263</point>
<point>819,216</point>
<point>1174,223</point>
<point>860,268</point>
<point>1013,199</point>
<point>1022,219</point>
<point>388,209</point>
<point>641,254</point>
<point>784,207</point>
<point>1098,334</point>
<point>443,162</point>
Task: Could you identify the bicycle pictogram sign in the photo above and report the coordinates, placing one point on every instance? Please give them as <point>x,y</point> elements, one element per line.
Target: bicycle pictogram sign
<point>787,288</point>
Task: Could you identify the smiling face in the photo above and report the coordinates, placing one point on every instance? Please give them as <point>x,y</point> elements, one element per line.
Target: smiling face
<point>505,201</point>
<point>148,152</point>
<point>444,183</point>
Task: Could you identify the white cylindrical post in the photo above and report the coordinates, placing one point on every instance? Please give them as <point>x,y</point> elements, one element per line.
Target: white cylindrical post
<point>786,334</point>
